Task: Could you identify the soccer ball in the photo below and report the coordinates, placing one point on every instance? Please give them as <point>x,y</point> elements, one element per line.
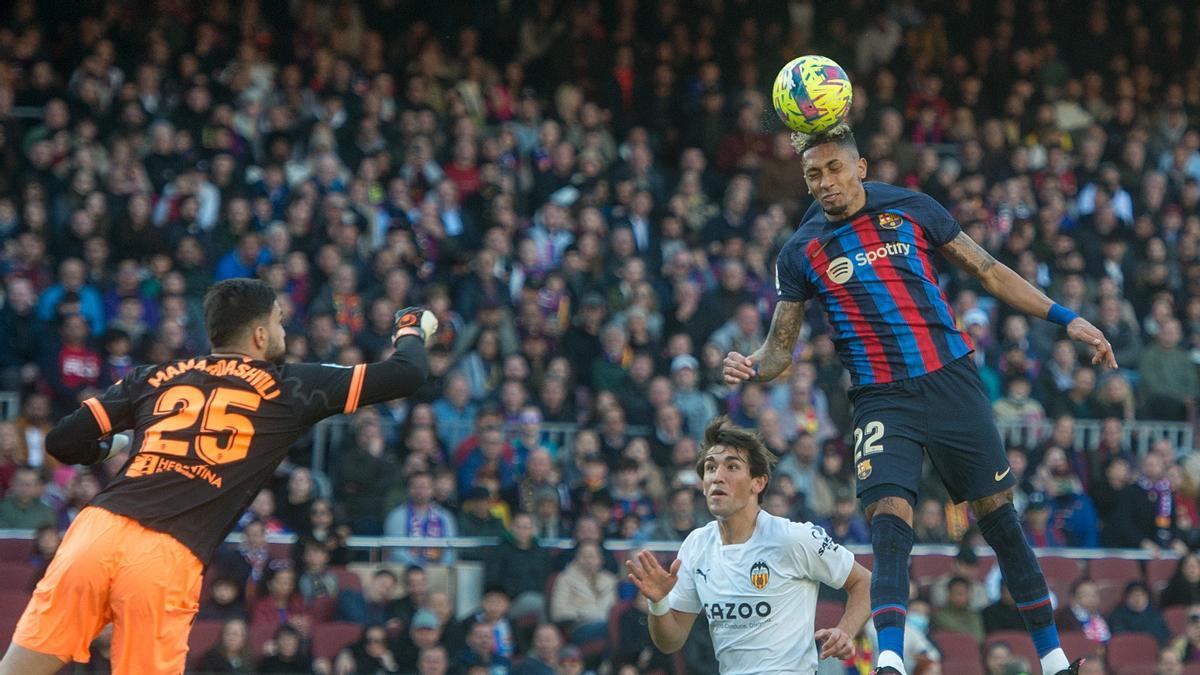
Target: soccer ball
<point>811,94</point>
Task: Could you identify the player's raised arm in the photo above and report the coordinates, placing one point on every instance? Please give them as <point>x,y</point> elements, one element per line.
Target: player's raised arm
<point>669,628</point>
<point>331,390</point>
<point>775,355</point>
<point>1002,282</point>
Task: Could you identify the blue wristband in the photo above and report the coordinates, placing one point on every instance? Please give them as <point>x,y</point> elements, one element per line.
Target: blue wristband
<point>1060,315</point>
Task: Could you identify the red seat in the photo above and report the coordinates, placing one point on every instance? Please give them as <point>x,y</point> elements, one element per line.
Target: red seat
<point>330,638</point>
<point>15,550</point>
<point>322,609</point>
<point>614,620</point>
<point>1059,568</point>
<point>1191,669</point>
<point>348,580</point>
<point>960,653</point>
<point>1076,644</point>
<point>926,568</point>
<point>1110,596</point>
<point>1114,570</point>
<point>1128,649</point>
<point>1159,572</point>
<point>279,551</point>
<point>1135,669</point>
<point>1176,618</point>
<point>16,576</point>
<point>259,635</point>
<point>1018,641</point>
<point>828,614</point>
<point>867,560</point>
<point>986,563</point>
<point>203,636</point>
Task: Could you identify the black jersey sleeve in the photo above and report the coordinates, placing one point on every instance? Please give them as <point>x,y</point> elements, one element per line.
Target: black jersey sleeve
<point>82,436</point>
<point>321,391</point>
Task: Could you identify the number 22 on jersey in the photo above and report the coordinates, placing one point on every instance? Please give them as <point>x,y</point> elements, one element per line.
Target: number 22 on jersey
<point>182,405</point>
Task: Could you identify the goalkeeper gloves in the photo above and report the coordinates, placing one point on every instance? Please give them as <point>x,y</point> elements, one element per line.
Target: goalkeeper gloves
<point>414,321</point>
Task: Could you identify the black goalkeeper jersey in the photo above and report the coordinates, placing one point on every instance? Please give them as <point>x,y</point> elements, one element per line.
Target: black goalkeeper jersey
<point>208,433</point>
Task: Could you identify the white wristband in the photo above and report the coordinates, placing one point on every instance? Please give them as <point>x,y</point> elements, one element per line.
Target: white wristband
<point>659,607</point>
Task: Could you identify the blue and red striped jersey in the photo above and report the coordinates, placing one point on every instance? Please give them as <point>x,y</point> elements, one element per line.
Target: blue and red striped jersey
<point>875,277</point>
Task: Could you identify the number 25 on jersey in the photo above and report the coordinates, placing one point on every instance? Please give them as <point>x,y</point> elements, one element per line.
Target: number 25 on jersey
<point>182,405</point>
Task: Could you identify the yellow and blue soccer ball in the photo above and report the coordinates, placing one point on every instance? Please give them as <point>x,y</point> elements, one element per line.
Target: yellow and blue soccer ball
<point>811,94</point>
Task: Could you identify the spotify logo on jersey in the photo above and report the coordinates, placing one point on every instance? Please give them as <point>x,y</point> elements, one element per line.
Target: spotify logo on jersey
<point>840,270</point>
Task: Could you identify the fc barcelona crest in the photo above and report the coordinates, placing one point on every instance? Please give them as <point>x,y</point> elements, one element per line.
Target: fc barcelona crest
<point>760,574</point>
<point>864,469</point>
<point>889,221</point>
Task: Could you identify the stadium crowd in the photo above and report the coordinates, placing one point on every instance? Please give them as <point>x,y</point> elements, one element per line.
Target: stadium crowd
<point>590,196</point>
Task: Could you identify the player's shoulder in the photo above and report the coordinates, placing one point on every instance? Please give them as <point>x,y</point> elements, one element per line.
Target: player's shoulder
<point>700,538</point>
<point>886,196</point>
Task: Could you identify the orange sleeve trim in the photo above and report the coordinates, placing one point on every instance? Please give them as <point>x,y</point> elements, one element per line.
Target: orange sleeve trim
<point>356,382</point>
<point>100,414</point>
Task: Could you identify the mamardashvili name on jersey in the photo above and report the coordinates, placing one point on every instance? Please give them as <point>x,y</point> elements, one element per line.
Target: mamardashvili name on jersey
<point>760,597</point>
<point>875,277</point>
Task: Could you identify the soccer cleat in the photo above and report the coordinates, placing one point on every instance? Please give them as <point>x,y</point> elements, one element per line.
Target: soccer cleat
<point>416,321</point>
<point>1072,669</point>
<point>885,670</point>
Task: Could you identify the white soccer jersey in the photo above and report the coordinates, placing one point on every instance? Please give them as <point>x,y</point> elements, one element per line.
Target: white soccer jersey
<point>760,597</point>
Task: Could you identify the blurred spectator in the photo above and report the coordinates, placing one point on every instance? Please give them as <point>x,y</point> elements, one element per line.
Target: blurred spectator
<point>1136,614</point>
<point>367,475</point>
<point>930,525</point>
<point>1169,662</point>
<point>46,540</point>
<point>519,565</point>
<point>583,594</point>
<point>845,524</point>
<point>23,508</point>
<point>957,614</point>
<point>542,658</point>
<point>371,654</point>
<point>232,653</point>
<point>245,562</point>
<point>279,601</point>
<point>1002,614</point>
<point>1082,612</point>
<point>423,518</point>
<point>223,602</point>
<point>481,650</point>
<point>493,613</point>
<point>262,509</point>
<point>1168,375</point>
<point>1017,406</point>
<point>285,653</point>
<point>1145,513</point>
<point>296,501</point>
<point>679,520</point>
<point>316,582</point>
<point>1187,646</point>
<point>375,605</point>
<point>424,632</point>
<point>1184,586</point>
<point>966,566</point>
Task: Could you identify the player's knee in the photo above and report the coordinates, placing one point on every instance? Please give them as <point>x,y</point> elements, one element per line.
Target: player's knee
<point>985,505</point>
<point>894,506</point>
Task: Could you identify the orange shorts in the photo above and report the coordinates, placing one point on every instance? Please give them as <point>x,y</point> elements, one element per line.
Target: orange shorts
<point>111,569</point>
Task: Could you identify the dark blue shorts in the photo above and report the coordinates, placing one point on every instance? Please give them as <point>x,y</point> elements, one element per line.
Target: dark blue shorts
<point>946,414</point>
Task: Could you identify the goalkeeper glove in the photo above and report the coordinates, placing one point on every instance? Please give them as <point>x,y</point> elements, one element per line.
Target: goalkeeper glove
<point>414,321</point>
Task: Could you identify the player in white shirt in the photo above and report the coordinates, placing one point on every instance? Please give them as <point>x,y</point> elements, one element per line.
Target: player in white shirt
<point>755,576</point>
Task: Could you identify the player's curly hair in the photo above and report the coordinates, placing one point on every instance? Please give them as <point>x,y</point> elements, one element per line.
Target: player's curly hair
<point>723,432</point>
<point>839,133</point>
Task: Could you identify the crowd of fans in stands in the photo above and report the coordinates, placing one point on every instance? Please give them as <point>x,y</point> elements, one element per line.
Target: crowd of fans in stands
<point>590,196</point>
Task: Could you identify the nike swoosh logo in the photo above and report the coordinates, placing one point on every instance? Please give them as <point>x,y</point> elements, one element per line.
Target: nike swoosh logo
<point>1000,475</point>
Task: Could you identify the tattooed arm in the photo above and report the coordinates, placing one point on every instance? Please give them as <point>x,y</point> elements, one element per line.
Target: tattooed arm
<point>1003,283</point>
<point>771,359</point>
